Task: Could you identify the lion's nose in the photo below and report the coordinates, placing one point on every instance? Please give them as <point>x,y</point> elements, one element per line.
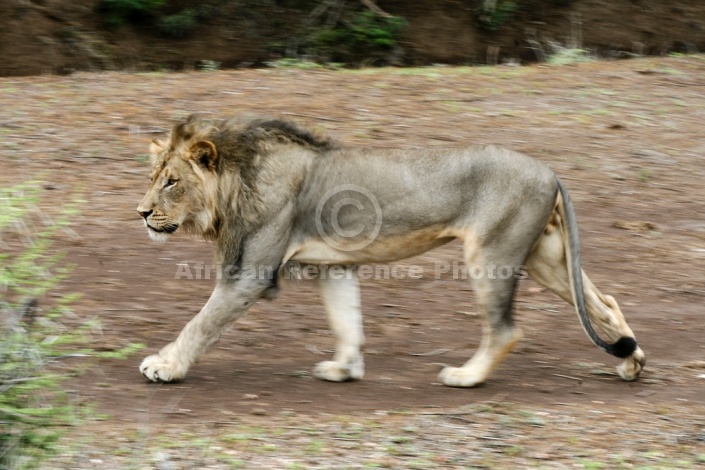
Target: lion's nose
<point>145,214</point>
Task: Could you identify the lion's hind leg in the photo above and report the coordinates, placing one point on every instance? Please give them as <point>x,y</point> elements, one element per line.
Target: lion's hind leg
<point>495,293</point>
<point>548,266</point>
<point>341,298</point>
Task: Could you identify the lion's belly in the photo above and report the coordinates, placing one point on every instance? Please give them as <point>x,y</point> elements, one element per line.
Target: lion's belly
<point>382,249</point>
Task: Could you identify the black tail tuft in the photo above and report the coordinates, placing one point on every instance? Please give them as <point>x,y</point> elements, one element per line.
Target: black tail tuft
<point>624,347</point>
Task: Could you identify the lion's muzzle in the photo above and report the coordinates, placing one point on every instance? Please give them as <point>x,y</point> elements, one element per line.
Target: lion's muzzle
<point>168,228</point>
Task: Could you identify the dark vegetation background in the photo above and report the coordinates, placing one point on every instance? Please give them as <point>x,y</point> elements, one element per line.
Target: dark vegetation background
<point>59,36</point>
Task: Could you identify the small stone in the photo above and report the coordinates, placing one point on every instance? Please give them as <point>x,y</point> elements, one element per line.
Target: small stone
<point>694,365</point>
<point>654,156</point>
<point>259,411</point>
<point>635,226</point>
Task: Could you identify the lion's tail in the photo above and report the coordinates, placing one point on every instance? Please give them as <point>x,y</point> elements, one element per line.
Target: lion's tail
<point>625,346</point>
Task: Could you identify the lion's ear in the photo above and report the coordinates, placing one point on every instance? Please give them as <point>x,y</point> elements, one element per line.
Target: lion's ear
<point>205,154</point>
<point>155,149</point>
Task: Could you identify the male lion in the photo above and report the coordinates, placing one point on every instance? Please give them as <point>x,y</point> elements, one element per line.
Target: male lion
<point>267,193</point>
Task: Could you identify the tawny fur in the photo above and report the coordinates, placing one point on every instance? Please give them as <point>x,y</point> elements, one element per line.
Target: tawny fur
<point>260,189</point>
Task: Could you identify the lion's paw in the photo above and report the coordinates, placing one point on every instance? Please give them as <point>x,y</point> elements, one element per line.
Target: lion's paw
<point>632,366</point>
<point>158,369</point>
<point>334,371</point>
<point>460,377</point>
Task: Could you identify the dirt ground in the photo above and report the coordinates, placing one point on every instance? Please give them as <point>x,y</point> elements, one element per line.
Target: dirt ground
<point>625,137</point>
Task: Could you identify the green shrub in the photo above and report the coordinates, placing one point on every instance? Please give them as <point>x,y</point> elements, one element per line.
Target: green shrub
<point>32,271</point>
<point>206,65</point>
<point>119,12</point>
<point>32,403</point>
<point>367,36</point>
<point>501,14</point>
<point>290,63</point>
<point>568,56</point>
<point>178,25</point>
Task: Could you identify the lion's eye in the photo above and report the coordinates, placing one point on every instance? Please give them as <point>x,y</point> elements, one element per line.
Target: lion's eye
<point>169,183</point>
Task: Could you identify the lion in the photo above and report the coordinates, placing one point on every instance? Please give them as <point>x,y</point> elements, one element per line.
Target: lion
<point>268,193</point>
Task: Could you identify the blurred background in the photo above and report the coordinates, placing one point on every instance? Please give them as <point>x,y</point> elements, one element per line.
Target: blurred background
<point>59,36</point>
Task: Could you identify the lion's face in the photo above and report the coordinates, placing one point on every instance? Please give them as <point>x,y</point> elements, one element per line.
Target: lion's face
<point>182,189</point>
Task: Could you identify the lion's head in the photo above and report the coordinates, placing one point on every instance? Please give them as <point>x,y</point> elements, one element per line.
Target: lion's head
<point>183,184</point>
<point>206,174</point>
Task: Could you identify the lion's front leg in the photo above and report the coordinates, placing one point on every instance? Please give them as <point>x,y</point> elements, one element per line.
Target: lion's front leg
<point>341,296</point>
<point>227,303</point>
<point>165,366</point>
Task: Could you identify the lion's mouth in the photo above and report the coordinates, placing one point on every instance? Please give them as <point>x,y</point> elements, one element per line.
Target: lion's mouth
<point>167,228</point>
